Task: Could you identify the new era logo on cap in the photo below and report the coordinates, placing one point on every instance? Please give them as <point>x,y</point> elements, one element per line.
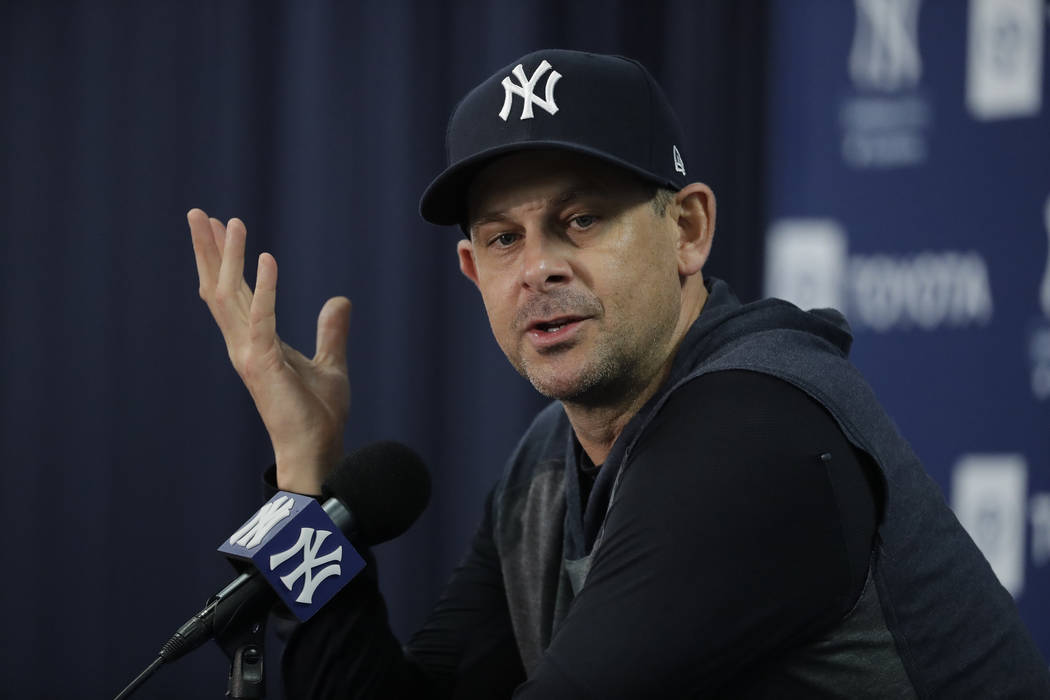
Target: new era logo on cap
<point>607,107</point>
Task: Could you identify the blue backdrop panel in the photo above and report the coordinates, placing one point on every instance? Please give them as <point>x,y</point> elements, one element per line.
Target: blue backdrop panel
<point>908,184</point>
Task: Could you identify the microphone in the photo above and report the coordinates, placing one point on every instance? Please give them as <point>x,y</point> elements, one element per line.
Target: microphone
<point>374,496</point>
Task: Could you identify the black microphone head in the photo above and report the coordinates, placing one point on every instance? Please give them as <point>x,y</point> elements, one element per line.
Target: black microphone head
<point>386,487</point>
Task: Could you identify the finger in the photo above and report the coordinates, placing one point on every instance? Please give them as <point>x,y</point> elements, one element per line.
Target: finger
<point>218,234</point>
<point>333,324</point>
<point>204,250</point>
<point>262,317</point>
<point>218,231</point>
<point>231,271</point>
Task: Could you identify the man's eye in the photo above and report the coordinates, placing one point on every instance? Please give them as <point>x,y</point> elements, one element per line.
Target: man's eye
<point>583,221</point>
<point>504,240</point>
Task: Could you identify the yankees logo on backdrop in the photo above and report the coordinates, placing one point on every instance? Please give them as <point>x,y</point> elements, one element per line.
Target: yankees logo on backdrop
<point>526,89</point>
<point>885,52</point>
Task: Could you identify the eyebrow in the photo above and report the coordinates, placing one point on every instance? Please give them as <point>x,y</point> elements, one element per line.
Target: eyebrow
<point>574,192</point>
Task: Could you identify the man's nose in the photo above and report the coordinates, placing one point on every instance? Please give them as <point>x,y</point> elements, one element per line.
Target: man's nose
<point>545,262</point>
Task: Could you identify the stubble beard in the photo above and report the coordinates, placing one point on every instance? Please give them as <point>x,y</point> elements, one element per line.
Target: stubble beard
<point>622,362</point>
<point>601,380</point>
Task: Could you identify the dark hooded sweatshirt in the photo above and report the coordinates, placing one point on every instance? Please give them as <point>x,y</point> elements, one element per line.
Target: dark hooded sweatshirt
<point>759,529</point>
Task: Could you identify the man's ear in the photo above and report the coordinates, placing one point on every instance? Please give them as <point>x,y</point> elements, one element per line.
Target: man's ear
<point>466,260</point>
<point>695,220</point>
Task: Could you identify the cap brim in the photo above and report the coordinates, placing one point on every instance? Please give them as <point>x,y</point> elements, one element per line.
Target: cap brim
<point>444,201</point>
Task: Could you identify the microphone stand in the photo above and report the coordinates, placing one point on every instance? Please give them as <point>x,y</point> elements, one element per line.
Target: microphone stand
<point>239,628</point>
<point>243,642</point>
<point>236,618</point>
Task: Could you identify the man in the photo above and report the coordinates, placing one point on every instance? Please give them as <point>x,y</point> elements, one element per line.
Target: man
<point>715,505</point>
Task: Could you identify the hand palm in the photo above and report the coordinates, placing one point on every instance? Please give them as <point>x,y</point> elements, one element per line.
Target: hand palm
<point>303,402</point>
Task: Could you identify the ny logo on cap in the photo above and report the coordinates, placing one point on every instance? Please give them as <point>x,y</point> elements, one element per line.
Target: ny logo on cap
<point>526,89</point>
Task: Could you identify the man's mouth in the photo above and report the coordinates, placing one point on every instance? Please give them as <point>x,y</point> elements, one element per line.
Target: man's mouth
<point>553,325</point>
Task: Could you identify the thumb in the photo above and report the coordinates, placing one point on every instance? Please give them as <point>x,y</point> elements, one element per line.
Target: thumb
<point>333,324</point>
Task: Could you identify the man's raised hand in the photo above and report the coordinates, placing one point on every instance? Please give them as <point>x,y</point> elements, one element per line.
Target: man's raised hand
<point>303,402</point>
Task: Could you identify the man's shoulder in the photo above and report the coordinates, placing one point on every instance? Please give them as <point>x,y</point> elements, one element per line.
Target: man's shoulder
<point>533,478</point>
<point>541,448</point>
<point>808,350</point>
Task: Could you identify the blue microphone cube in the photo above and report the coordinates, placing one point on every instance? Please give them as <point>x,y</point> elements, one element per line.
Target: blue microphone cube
<point>299,551</point>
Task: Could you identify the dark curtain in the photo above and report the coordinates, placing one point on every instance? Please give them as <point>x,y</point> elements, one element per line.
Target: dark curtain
<point>129,446</point>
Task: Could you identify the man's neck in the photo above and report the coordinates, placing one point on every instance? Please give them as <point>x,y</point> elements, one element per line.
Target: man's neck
<point>598,426</point>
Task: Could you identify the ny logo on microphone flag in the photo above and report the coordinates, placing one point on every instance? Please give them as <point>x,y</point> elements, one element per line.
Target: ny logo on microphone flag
<point>294,545</point>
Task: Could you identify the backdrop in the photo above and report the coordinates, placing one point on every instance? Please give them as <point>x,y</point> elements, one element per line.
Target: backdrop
<point>892,157</point>
<point>908,183</point>
<point>129,447</point>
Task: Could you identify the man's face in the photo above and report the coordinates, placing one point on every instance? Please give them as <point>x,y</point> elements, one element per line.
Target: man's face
<point>578,272</point>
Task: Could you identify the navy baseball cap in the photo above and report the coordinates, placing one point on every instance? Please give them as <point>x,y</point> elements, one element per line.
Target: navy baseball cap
<point>608,107</point>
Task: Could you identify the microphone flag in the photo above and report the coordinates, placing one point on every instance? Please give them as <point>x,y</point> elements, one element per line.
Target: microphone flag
<point>297,548</point>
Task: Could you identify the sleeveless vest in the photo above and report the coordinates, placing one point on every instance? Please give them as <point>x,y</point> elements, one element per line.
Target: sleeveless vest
<point>932,620</point>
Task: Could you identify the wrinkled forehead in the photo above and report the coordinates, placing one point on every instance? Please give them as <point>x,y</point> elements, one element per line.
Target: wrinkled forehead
<point>546,175</point>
